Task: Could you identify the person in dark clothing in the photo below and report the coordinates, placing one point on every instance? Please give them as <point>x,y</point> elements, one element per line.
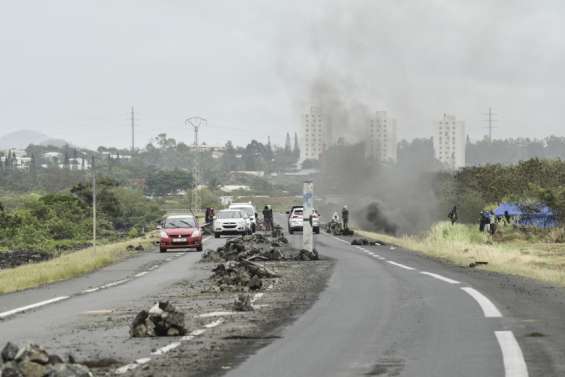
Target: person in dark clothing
<point>483,221</point>
<point>268,218</point>
<point>209,216</point>
<point>452,215</point>
<point>345,217</point>
<point>507,217</point>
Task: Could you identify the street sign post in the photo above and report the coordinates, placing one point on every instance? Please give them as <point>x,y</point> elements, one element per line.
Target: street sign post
<point>307,231</point>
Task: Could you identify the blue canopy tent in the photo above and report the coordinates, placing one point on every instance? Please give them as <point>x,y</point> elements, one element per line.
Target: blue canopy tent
<point>539,216</point>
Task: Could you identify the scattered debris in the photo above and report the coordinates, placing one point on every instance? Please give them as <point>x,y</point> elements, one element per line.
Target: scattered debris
<point>478,263</point>
<point>139,247</point>
<point>33,361</point>
<point>163,319</point>
<point>11,259</point>
<point>366,242</point>
<point>243,303</point>
<point>306,255</point>
<point>256,247</point>
<point>255,283</point>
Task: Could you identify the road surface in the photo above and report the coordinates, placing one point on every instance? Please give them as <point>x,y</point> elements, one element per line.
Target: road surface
<point>385,312</point>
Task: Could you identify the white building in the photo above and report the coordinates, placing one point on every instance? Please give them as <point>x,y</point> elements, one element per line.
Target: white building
<point>449,142</point>
<point>381,143</point>
<point>314,135</point>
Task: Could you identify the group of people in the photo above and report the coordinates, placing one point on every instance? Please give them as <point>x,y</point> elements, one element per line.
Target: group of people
<point>488,221</point>
<point>344,221</point>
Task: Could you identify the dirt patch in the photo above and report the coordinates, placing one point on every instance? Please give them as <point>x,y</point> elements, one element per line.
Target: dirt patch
<point>102,341</point>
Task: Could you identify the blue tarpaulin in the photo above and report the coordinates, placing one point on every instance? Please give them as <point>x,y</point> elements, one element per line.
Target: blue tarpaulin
<point>540,216</point>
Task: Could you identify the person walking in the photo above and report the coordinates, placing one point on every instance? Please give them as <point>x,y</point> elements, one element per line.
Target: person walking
<point>452,215</point>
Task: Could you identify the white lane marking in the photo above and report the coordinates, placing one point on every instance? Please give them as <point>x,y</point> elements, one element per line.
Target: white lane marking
<point>400,265</point>
<point>32,306</point>
<point>141,274</point>
<point>153,267</point>
<point>514,363</point>
<point>215,314</point>
<point>198,332</point>
<point>143,360</point>
<point>217,323</point>
<point>113,284</point>
<point>169,259</point>
<point>91,290</point>
<point>489,309</point>
<point>167,348</point>
<point>207,238</point>
<point>126,368</point>
<point>440,277</point>
<point>256,297</point>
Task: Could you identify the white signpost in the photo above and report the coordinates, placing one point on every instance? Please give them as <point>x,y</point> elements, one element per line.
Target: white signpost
<point>307,233</point>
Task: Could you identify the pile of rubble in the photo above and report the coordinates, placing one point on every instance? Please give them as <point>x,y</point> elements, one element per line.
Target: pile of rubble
<point>243,303</point>
<point>366,242</point>
<point>163,319</point>
<point>256,247</point>
<point>335,228</point>
<point>139,247</point>
<point>33,361</point>
<point>242,274</point>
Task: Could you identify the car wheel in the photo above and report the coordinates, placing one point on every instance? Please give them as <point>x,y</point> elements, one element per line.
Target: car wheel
<point>253,228</point>
<point>163,250</point>
<point>199,248</point>
<point>217,235</point>
<point>317,230</point>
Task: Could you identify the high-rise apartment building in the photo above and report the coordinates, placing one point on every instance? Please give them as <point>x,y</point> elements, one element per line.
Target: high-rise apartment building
<point>381,143</point>
<point>314,134</point>
<point>449,142</point>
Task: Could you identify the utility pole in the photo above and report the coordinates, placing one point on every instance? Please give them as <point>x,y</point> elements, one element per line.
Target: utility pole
<point>195,122</point>
<point>93,205</point>
<point>490,120</point>
<point>132,130</point>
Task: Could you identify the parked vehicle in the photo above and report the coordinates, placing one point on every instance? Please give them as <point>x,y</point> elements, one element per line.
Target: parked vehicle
<point>296,220</point>
<point>231,221</point>
<point>249,210</point>
<point>180,232</point>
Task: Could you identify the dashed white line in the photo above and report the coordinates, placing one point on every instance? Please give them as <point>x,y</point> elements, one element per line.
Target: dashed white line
<point>165,349</point>
<point>215,314</point>
<point>126,368</point>
<point>141,274</point>
<point>32,306</point>
<point>153,267</point>
<point>489,309</point>
<point>514,363</point>
<point>214,324</point>
<point>440,277</point>
<point>198,332</point>
<point>401,265</point>
<point>113,284</point>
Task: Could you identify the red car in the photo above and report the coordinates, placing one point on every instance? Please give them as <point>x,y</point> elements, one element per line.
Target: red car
<point>180,232</point>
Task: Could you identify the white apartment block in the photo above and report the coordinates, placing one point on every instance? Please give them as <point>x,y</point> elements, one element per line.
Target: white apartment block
<point>382,143</point>
<point>449,141</point>
<point>314,134</point>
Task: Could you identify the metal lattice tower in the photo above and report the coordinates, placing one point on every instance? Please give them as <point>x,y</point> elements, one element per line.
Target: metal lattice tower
<point>195,122</point>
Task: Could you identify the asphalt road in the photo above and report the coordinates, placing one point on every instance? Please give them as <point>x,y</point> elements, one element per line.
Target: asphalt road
<point>389,312</point>
<point>385,312</point>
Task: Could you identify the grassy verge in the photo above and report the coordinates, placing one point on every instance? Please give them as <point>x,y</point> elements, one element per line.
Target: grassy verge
<point>68,265</point>
<point>463,244</point>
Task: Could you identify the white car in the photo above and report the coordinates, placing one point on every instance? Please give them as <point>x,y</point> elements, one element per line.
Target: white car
<point>296,220</point>
<point>249,210</point>
<point>231,221</point>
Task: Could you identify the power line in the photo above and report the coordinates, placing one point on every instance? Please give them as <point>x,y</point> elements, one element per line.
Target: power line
<point>490,120</point>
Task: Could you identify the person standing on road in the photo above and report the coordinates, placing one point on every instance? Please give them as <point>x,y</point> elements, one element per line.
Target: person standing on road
<point>271,218</point>
<point>267,221</point>
<point>345,217</point>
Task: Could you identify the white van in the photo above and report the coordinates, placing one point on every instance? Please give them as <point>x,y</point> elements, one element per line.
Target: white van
<point>249,210</point>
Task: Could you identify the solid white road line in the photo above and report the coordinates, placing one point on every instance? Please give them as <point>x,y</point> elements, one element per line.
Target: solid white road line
<point>489,309</point>
<point>514,363</point>
<point>401,265</point>
<point>32,306</point>
<point>440,277</point>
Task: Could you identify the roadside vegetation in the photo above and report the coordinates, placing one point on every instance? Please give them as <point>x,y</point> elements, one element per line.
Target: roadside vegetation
<point>69,265</point>
<point>526,252</point>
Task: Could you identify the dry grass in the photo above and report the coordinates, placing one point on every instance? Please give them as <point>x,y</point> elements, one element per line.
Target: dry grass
<point>463,244</point>
<point>67,266</point>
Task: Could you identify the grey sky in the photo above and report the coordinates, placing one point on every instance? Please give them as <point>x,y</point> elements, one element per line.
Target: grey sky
<point>72,69</point>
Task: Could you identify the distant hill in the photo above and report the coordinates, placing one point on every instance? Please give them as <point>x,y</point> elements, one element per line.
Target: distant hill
<point>21,140</point>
